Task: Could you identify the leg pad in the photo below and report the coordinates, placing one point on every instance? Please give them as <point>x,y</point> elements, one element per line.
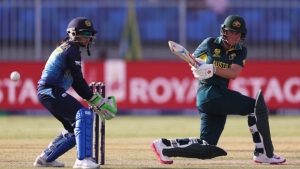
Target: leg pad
<point>262,123</point>
<point>63,143</point>
<point>84,133</point>
<point>195,151</point>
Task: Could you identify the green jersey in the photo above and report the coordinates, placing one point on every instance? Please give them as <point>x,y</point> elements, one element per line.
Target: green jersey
<point>212,52</point>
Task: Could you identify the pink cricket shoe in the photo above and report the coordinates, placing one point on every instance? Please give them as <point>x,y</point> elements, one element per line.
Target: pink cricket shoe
<point>157,146</point>
<point>262,158</point>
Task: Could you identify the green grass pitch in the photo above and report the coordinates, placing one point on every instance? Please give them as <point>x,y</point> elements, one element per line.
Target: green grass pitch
<point>128,141</point>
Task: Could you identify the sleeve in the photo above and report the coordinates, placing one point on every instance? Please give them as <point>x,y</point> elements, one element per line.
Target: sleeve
<point>240,59</point>
<point>79,84</point>
<point>201,51</point>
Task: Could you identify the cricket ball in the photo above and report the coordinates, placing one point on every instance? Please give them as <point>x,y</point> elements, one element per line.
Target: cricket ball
<point>15,76</point>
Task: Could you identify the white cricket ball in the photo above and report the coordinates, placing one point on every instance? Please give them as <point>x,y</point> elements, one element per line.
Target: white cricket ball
<point>15,76</point>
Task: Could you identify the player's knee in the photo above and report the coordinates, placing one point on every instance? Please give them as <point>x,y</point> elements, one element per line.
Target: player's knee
<point>261,108</point>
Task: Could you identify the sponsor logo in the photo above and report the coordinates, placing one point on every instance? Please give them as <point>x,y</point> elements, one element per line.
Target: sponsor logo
<point>182,52</point>
<point>136,89</point>
<point>88,112</point>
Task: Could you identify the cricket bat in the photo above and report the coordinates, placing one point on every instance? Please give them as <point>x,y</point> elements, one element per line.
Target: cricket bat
<point>180,51</point>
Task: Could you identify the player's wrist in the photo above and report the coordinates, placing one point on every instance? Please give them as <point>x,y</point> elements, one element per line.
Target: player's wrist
<point>214,69</point>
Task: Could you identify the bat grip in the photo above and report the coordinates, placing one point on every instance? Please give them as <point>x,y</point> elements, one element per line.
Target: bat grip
<point>195,61</point>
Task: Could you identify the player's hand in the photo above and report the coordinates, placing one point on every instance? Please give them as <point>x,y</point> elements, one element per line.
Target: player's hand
<point>106,108</point>
<point>104,114</point>
<point>204,71</point>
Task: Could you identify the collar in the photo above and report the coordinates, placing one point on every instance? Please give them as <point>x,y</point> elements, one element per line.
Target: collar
<point>219,41</point>
<point>75,43</point>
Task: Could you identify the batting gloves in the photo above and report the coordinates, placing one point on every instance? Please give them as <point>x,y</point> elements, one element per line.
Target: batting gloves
<point>204,71</point>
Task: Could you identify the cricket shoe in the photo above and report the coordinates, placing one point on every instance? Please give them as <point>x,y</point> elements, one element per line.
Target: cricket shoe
<point>262,158</point>
<point>41,162</point>
<point>86,163</point>
<point>157,146</point>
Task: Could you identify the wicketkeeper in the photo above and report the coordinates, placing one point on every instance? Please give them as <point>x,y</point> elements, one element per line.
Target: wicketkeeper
<point>222,59</point>
<point>62,71</point>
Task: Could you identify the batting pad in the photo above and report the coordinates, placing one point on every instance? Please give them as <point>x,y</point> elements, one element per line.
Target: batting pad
<point>195,151</point>
<point>262,123</point>
<point>84,133</point>
<point>63,143</point>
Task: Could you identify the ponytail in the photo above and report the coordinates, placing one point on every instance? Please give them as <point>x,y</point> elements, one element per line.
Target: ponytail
<point>63,41</point>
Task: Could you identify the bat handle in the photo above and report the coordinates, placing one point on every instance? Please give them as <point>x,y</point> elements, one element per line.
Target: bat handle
<point>195,61</point>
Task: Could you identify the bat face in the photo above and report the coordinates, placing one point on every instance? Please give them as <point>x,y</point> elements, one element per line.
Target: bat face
<point>183,53</point>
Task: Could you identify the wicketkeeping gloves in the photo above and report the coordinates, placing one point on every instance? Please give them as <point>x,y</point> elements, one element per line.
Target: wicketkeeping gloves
<point>204,71</point>
<point>106,108</point>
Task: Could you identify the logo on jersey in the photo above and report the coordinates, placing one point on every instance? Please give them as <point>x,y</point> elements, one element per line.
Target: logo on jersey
<point>217,53</point>
<point>78,63</point>
<point>236,24</point>
<point>232,56</point>
<point>68,73</point>
<point>64,95</point>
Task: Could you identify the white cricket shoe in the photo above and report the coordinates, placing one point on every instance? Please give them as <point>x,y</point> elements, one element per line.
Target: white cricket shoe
<point>157,146</point>
<point>86,163</point>
<point>41,162</point>
<point>262,158</point>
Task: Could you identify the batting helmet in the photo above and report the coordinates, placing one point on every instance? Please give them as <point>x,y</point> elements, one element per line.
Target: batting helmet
<point>81,24</point>
<point>234,23</point>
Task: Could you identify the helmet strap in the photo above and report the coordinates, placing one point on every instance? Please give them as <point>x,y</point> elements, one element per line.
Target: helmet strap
<point>226,45</point>
<point>88,49</point>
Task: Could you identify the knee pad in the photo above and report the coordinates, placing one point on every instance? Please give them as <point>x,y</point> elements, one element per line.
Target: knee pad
<point>193,149</point>
<point>84,133</point>
<point>63,143</point>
